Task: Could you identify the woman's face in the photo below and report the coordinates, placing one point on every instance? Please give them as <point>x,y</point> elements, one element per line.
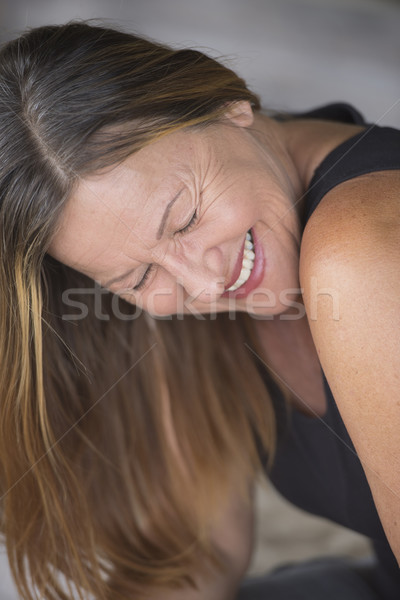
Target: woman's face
<point>166,228</point>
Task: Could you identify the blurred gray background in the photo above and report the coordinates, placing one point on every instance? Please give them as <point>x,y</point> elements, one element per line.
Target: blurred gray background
<point>296,54</point>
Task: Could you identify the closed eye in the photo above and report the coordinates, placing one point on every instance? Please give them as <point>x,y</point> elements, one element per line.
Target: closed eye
<point>145,277</point>
<point>190,224</point>
<point>149,269</point>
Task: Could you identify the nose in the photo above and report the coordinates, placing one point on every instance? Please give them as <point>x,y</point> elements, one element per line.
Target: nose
<point>200,273</point>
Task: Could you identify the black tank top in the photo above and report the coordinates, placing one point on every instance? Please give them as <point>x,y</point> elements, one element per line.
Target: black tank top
<point>316,465</point>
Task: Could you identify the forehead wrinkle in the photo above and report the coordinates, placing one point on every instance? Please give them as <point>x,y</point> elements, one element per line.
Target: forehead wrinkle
<point>97,258</point>
<point>141,219</point>
<point>132,187</point>
<point>126,190</point>
<point>91,249</point>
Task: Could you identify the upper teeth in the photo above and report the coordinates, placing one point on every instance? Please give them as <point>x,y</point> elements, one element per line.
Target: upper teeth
<point>247,264</point>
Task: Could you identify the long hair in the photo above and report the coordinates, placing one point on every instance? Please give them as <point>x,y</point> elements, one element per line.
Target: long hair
<point>119,434</point>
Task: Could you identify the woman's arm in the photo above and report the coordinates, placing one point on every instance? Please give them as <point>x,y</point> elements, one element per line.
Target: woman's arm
<point>352,250</point>
<point>233,535</point>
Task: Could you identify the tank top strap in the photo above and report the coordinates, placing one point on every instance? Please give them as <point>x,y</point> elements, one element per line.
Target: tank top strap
<point>374,149</point>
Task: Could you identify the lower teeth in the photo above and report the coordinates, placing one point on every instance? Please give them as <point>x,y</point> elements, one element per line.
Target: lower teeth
<point>247,265</point>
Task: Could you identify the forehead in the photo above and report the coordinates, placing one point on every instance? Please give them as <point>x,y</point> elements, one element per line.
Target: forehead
<point>103,208</point>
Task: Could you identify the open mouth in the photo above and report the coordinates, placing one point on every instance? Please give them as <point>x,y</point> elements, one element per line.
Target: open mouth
<point>247,263</point>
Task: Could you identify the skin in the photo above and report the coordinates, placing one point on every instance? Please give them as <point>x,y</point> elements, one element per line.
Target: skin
<point>352,245</point>
<point>247,172</point>
<point>250,172</point>
<point>238,175</point>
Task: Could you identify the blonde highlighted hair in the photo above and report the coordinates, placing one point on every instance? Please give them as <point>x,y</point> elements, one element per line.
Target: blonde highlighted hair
<point>118,436</point>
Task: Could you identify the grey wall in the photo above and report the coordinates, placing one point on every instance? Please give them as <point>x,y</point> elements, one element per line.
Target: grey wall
<point>295,53</point>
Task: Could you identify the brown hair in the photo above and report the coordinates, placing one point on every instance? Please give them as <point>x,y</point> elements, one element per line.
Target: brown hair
<point>118,437</point>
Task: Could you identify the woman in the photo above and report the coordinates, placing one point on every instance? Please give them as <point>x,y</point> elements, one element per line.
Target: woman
<point>213,284</point>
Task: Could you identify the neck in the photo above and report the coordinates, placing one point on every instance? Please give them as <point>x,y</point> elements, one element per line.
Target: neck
<point>309,141</point>
<point>273,139</point>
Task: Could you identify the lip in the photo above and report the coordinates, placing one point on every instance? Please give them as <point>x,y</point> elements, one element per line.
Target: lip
<point>256,275</point>
<point>237,269</point>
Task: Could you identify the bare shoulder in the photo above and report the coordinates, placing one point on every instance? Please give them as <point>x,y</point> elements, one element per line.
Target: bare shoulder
<point>350,265</point>
<point>356,224</point>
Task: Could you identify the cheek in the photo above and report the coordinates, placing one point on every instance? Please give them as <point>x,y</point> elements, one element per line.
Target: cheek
<point>161,302</point>
<point>233,217</point>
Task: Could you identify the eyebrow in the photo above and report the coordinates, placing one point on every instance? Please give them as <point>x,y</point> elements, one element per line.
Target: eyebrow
<point>166,213</point>
<point>158,236</point>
